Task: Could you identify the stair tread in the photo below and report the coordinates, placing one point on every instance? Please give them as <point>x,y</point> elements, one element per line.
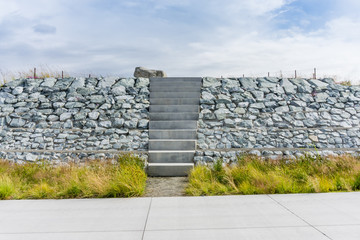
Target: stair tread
<point>173,98</point>
<point>171,151</point>
<point>174,140</point>
<point>175,130</point>
<point>174,101</point>
<point>176,78</point>
<point>177,121</point>
<point>191,106</point>
<point>169,169</point>
<point>174,89</point>
<point>170,82</point>
<point>175,94</point>
<point>176,106</point>
<point>176,113</point>
<point>170,164</point>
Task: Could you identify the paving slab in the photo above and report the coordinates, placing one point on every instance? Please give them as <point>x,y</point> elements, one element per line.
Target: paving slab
<point>294,216</point>
<point>295,233</point>
<point>76,215</point>
<point>218,212</point>
<point>323,208</point>
<point>350,232</point>
<point>128,235</point>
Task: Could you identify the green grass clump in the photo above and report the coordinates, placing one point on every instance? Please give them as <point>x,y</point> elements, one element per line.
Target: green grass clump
<point>7,187</point>
<point>94,179</point>
<point>252,175</point>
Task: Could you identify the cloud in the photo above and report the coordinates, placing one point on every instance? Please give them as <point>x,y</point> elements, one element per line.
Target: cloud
<point>44,29</point>
<point>193,38</point>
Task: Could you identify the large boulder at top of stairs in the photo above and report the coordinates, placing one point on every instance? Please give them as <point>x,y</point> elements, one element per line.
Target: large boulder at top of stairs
<point>147,73</point>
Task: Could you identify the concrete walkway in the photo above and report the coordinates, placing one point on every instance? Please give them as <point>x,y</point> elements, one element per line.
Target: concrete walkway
<point>296,216</point>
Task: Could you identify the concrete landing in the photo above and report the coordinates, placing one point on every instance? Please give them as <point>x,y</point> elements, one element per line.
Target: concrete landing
<point>165,186</point>
<point>280,217</point>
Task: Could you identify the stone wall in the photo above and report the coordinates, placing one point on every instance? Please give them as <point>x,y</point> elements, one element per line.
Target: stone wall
<point>273,117</point>
<point>73,117</point>
<point>81,118</point>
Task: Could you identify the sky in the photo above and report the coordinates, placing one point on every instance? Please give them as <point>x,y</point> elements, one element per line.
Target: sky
<point>216,38</point>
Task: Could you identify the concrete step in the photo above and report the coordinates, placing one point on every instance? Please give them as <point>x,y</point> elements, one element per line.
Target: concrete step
<point>172,134</point>
<point>171,81</point>
<point>174,101</point>
<point>185,124</point>
<point>169,169</point>
<point>175,95</point>
<point>171,156</point>
<point>174,111</point>
<point>174,108</point>
<point>176,84</point>
<point>171,144</point>
<point>174,89</point>
<point>163,116</point>
<point>174,79</point>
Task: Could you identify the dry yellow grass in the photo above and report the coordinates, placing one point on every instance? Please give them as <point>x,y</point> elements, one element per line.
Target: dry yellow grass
<point>94,179</point>
<point>251,175</point>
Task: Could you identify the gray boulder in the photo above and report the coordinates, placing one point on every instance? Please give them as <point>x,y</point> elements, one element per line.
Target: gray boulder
<point>141,72</point>
<point>78,83</point>
<point>17,90</point>
<point>228,83</point>
<point>17,122</point>
<point>248,83</point>
<point>126,82</point>
<point>264,83</point>
<point>319,85</point>
<point>107,82</point>
<point>120,90</point>
<point>288,86</point>
<point>15,83</point>
<point>48,82</point>
<point>211,82</point>
<point>142,82</point>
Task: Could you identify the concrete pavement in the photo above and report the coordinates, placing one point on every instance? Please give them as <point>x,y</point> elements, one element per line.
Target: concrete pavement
<point>293,216</point>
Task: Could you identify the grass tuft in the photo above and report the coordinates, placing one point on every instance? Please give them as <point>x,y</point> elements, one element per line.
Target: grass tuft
<point>253,175</point>
<point>42,72</point>
<point>94,179</point>
<point>356,184</point>
<point>7,187</point>
<point>345,83</point>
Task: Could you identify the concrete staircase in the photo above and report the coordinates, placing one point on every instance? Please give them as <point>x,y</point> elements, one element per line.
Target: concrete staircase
<point>174,111</point>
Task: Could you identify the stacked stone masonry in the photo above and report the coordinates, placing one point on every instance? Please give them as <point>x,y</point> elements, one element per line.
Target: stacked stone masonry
<point>63,119</point>
<point>275,117</point>
<point>73,117</point>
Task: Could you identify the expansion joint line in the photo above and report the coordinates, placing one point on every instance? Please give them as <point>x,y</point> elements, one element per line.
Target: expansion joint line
<point>299,217</point>
<point>147,217</point>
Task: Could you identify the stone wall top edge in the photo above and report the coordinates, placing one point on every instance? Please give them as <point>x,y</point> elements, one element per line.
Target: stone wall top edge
<point>77,82</point>
<point>270,82</point>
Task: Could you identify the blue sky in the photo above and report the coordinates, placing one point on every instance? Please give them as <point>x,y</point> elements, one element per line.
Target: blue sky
<point>184,38</point>
<point>308,15</point>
